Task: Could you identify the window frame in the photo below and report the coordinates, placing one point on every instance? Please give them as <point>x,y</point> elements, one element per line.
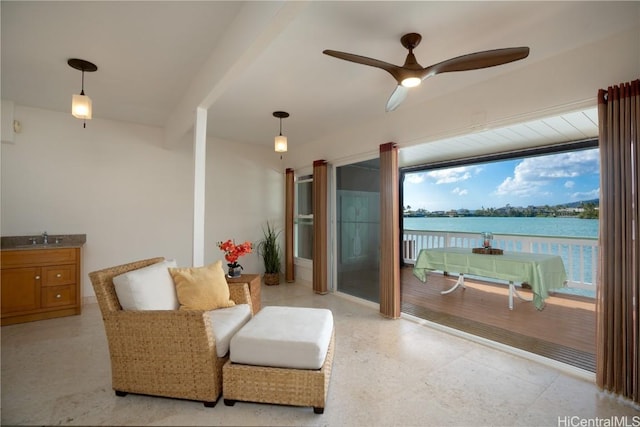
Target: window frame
<point>583,144</point>
<point>298,218</point>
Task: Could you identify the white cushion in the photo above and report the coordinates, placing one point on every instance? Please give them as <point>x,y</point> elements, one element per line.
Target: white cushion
<point>147,288</point>
<point>226,322</point>
<point>285,337</point>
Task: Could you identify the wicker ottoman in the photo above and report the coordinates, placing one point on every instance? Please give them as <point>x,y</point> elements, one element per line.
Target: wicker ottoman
<point>273,376</point>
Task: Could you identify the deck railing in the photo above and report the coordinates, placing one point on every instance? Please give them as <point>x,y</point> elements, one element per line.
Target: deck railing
<point>580,255</point>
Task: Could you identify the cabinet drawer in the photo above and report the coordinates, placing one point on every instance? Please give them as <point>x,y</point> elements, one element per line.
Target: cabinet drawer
<point>59,275</point>
<point>56,296</point>
<point>38,257</point>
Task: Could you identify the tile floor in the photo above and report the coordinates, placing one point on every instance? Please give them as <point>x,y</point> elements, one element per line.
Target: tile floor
<point>386,373</point>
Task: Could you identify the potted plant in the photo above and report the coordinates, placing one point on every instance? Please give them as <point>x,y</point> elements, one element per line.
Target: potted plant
<point>269,249</point>
<point>232,252</point>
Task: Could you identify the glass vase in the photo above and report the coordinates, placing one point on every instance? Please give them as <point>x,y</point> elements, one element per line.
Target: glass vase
<point>234,271</point>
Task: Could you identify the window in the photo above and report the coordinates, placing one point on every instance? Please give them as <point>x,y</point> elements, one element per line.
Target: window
<point>558,181</point>
<point>303,217</point>
<point>539,200</point>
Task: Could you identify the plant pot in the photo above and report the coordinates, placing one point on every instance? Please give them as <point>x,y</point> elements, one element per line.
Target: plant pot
<point>271,279</point>
<point>235,271</point>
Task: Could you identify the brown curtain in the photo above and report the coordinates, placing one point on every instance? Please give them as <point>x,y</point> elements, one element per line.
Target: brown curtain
<point>289,272</point>
<point>618,317</point>
<point>389,232</point>
<point>320,231</point>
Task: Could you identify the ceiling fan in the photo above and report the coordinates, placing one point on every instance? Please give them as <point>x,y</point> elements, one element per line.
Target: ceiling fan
<point>411,73</point>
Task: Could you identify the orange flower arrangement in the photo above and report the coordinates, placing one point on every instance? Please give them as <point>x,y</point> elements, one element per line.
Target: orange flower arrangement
<point>232,251</point>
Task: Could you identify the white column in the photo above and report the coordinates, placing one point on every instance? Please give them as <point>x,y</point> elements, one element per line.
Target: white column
<point>199,169</point>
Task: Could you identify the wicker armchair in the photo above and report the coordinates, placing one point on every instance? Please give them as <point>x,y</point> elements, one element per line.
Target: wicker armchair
<point>161,353</point>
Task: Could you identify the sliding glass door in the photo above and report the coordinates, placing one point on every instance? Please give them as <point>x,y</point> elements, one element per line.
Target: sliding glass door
<point>358,229</point>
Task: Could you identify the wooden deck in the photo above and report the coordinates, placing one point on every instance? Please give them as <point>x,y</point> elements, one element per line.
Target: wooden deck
<point>564,330</point>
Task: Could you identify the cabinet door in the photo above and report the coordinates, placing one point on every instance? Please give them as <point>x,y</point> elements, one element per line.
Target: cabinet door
<point>20,289</point>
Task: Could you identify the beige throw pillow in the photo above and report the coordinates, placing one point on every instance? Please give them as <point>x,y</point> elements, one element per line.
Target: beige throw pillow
<point>201,288</point>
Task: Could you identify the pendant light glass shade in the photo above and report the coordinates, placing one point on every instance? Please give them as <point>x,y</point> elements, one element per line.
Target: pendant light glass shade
<point>281,144</point>
<point>81,107</point>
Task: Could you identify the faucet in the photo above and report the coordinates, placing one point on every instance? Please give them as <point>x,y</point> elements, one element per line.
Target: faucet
<point>45,238</point>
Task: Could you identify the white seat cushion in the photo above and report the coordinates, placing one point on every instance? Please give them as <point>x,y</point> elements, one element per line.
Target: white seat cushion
<point>284,337</point>
<point>147,288</point>
<point>226,322</point>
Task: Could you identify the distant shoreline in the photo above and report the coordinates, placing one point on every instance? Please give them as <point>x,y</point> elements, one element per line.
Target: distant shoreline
<point>585,209</point>
<point>491,216</point>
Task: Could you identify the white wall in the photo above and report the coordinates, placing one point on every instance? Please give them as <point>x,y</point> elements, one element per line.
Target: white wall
<point>245,189</point>
<point>114,182</point>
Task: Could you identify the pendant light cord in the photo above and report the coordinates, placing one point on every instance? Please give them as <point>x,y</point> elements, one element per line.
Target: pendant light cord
<point>84,121</point>
<point>280,134</point>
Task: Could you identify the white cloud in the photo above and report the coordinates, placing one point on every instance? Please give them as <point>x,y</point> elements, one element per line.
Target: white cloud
<point>414,178</point>
<point>563,165</point>
<point>448,176</point>
<point>533,173</point>
<point>459,191</point>
<point>569,184</point>
<point>586,195</point>
<point>519,186</point>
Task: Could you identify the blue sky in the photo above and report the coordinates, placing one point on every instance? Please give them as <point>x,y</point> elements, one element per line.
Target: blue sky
<point>542,180</point>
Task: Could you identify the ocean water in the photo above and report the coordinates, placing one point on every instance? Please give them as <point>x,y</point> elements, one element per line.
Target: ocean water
<point>542,226</point>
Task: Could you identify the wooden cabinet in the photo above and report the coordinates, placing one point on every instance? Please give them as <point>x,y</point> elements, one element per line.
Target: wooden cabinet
<point>40,284</point>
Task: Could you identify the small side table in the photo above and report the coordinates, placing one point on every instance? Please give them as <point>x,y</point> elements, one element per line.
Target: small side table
<point>253,280</point>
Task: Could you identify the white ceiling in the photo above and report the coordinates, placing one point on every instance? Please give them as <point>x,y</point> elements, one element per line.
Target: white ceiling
<point>575,126</point>
<point>157,61</point>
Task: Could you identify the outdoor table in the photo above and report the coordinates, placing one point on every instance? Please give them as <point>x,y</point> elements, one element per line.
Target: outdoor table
<point>543,272</point>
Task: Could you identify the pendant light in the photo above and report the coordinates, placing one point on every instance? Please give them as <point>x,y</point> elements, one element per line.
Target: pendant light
<point>81,104</point>
<point>281,141</point>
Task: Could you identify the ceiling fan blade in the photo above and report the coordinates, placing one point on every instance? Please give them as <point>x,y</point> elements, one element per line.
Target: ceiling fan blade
<point>396,98</point>
<point>392,69</point>
<point>478,60</point>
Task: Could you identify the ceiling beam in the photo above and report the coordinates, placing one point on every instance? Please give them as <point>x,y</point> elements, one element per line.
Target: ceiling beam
<point>256,26</point>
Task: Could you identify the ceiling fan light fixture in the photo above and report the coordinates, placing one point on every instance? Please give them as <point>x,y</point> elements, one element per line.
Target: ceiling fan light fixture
<point>280,143</point>
<point>411,82</point>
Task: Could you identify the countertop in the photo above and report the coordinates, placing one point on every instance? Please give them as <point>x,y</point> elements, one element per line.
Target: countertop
<point>20,243</point>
